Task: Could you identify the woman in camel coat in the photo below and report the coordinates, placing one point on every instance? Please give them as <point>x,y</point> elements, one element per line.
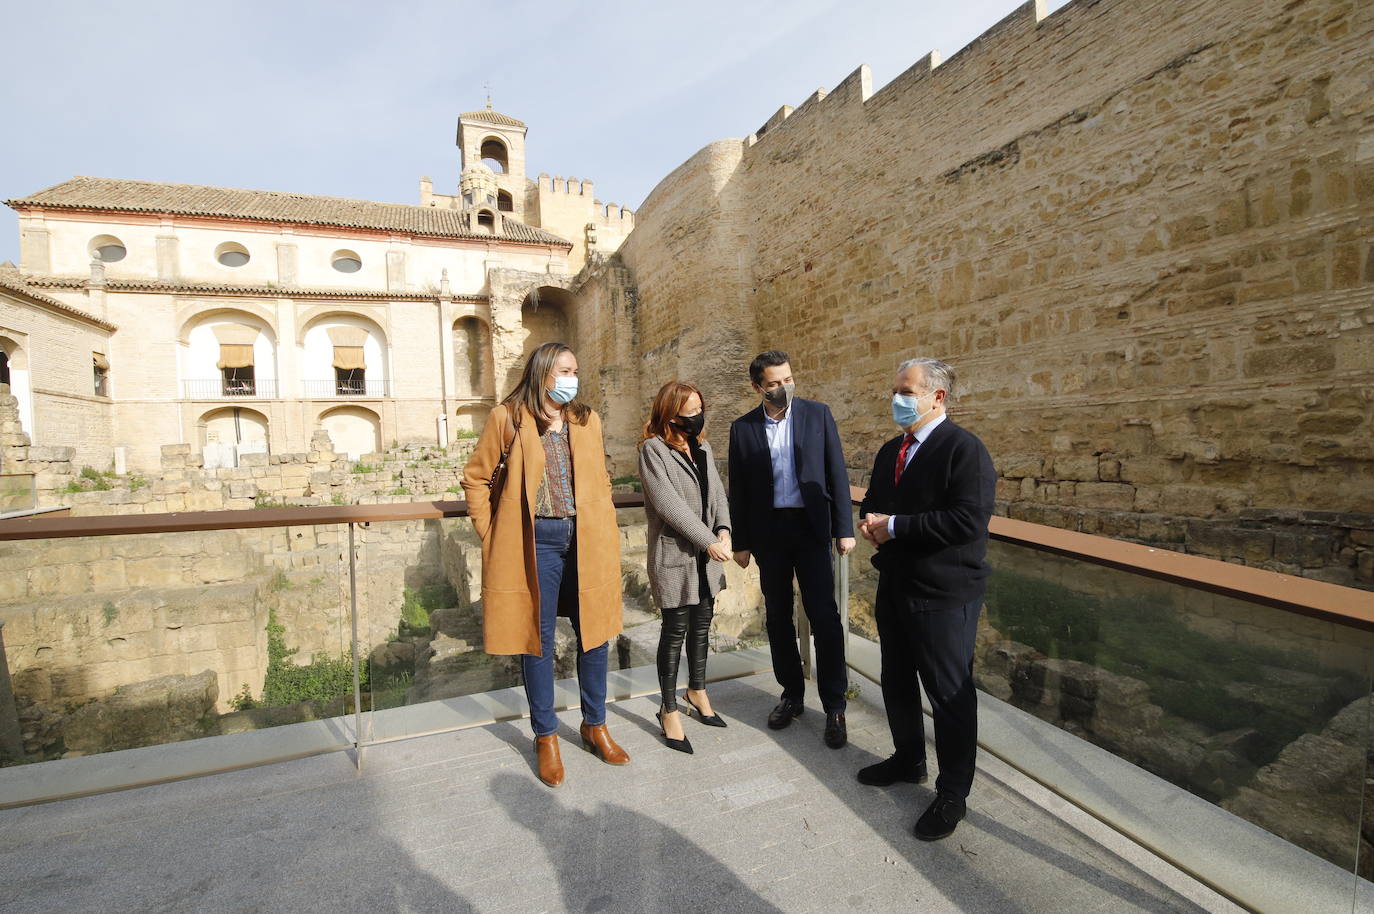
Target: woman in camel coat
<point>550,545</point>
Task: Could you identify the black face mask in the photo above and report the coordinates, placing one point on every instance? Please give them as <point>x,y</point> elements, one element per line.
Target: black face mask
<point>691,425</point>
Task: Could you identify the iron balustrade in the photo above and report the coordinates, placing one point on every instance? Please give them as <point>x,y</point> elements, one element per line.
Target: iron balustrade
<point>222,389</point>
<point>323,390</point>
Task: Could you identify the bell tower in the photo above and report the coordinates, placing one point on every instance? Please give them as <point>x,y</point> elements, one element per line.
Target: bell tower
<point>497,141</point>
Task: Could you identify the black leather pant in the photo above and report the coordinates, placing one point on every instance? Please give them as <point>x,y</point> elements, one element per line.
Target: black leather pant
<point>692,623</point>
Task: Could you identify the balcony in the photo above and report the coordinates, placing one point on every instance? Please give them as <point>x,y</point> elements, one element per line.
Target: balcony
<point>220,389</point>
<point>324,390</point>
<point>401,749</point>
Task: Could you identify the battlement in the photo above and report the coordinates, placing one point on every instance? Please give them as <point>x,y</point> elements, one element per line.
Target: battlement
<point>605,215</point>
<point>996,49</point>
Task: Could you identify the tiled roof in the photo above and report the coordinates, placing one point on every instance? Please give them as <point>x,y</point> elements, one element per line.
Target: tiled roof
<point>11,280</point>
<point>270,206</point>
<point>158,285</point>
<point>491,117</point>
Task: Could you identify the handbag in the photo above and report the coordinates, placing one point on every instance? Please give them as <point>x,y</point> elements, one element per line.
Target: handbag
<point>497,481</point>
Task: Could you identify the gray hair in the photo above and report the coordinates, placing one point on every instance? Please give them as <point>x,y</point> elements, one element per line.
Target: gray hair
<point>937,374</point>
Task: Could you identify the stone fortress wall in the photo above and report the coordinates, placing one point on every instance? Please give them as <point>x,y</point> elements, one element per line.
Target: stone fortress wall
<point>1139,230</point>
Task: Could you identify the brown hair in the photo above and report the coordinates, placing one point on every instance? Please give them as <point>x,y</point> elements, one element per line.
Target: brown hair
<point>529,390</point>
<point>668,404</point>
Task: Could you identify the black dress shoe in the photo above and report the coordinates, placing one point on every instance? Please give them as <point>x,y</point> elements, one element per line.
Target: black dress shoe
<point>836,733</point>
<point>784,713</point>
<point>890,771</point>
<point>715,720</point>
<point>940,818</point>
<point>681,745</point>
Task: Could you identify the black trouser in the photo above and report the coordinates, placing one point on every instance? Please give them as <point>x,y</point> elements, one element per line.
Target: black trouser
<point>691,622</point>
<point>791,549</point>
<point>936,647</point>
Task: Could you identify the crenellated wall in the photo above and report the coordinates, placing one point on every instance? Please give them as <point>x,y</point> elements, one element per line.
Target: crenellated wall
<point>1139,230</point>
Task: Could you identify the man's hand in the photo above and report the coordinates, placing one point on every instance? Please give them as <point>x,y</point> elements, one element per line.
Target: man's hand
<point>845,545</point>
<point>742,558</point>
<point>874,527</point>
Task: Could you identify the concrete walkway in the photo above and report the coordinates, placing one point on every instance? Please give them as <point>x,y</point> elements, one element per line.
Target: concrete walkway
<point>756,821</point>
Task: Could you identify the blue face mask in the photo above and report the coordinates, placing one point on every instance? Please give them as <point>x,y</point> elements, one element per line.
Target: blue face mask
<point>906,412</point>
<point>564,389</point>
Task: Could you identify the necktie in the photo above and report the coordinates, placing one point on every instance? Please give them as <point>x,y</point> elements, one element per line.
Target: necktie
<point>907,442</point>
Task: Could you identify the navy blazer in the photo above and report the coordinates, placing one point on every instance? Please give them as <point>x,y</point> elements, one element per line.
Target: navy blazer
<point>942,506</point>
<point>821,475</point>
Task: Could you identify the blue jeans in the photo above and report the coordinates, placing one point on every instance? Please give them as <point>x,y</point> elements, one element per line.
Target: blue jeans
<point>555,555</point>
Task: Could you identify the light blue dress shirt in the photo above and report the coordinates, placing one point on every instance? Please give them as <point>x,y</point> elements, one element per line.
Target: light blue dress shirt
<point>922,434</point>
<point>786,492</point>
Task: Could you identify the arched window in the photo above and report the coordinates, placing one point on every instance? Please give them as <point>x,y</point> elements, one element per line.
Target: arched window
<point>495,156</point>
<point>505,202</point>
<point>486,221</point>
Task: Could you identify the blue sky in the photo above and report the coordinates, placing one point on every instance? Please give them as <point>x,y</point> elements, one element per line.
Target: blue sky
<point>357,99</point>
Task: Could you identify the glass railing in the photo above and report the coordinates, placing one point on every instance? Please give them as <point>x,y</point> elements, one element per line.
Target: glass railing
<point>1248,690</point>
<point>333,627</point>
<point>18,492</point>
<point>129,641</point>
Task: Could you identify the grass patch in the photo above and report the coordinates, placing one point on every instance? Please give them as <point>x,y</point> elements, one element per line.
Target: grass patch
<point>632,481</point>
<point>417,604</point>
<point>366,468</point>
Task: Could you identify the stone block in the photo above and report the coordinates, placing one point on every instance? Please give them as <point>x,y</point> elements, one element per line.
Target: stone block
<point>1112,495</point>
<point>148,713</point>
<point>253,460</point>
<point>176,450</point>
<point>154,572</point>
<point>1074,468</point>
<point>59,580</point>
<point>108,574</point>
<point>51,454</point>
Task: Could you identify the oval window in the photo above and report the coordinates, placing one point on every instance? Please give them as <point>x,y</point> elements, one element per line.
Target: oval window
<point>107,249</point>
<point>232,254</point>
<point>347,262</point>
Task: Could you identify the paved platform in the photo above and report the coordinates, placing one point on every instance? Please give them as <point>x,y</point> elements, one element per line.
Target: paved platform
<point>755,821</point>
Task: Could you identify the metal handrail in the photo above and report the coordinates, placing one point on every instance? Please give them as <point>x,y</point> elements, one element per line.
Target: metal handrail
<point>1303,596</point>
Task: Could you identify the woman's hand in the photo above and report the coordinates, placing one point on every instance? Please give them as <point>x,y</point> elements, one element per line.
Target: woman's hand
<point>719,552</point>
<point>724,538</point>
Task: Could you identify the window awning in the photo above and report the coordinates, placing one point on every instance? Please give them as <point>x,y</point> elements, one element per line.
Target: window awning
<point>101,362</point>
<point>233,355</point>
<point>347,336</point>
<point>349,358</point>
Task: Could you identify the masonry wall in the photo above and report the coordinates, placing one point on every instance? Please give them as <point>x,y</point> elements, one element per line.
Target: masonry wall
<point>1139,230</point>
<point>54,363</point>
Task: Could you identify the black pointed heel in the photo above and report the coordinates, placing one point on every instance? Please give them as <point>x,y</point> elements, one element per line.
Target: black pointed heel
<point>681,745</point>
<point>715,720</point>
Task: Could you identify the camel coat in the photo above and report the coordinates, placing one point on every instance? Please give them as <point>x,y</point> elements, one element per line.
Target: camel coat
<point>510,577</point>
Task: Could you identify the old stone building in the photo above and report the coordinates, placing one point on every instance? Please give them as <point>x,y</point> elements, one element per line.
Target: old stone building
<point>1140,230</point>
<point>239,321</point>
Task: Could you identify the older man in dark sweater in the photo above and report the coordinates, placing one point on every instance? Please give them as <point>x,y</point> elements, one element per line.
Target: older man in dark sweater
<point>927,511</point>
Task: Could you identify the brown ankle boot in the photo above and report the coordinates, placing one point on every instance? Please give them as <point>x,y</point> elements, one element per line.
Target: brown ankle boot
<point>550,762</point>
<point>598,742</point>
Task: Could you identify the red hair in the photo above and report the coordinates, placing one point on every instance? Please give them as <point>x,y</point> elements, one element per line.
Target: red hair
<point>668,404</point>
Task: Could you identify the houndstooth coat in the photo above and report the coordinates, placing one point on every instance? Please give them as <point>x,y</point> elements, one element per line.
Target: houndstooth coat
<point>677,533</point>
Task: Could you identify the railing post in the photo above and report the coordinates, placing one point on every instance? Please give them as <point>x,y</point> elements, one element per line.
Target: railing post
<point>357,660</point>
<point>842,593</point>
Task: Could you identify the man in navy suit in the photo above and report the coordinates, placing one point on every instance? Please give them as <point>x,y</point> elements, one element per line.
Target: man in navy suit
<point>789,499</point>
<point>927,511</point>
